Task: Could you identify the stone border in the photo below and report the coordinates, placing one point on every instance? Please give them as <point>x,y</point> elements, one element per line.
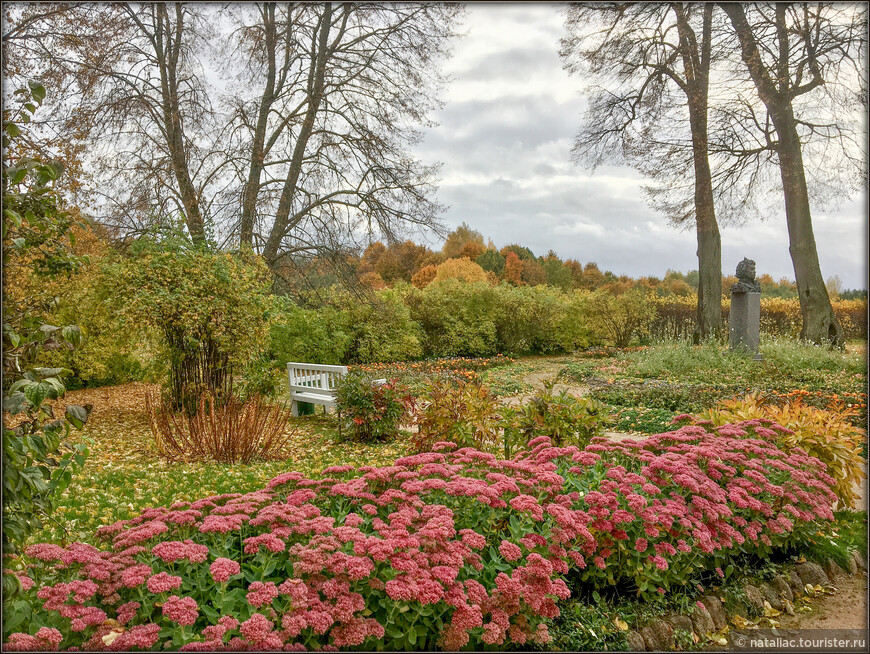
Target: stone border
<point>658,635</point>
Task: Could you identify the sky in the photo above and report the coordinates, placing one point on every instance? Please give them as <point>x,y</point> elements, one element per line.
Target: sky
<point>504,138</point>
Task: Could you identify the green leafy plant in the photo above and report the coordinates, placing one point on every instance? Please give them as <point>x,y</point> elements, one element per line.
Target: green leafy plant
<point>372,411</point>
<point>37,463</point>
<point>462,412</point>
<point>211,309</point>
<point>565,419</point>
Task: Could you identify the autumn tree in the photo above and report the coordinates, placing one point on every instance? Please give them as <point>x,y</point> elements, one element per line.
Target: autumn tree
<point>651,63</point>
<point>513,268</point>
<point>401,260</point>
<point>464,270</point>
<point>461,237</point>
<point>533,273</point>
<point>807,64</point>
<point>521,251</point>
<point>423,277</point>
<point>371,256</point>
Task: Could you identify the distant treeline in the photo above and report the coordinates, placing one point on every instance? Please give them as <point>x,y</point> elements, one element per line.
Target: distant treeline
<point>468,256</point>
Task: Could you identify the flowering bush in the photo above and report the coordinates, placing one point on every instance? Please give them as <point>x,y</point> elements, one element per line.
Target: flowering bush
<point>827,434</point>
<point>446,548</point>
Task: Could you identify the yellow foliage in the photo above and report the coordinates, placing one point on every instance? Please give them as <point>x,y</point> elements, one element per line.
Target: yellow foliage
<point>462,269</point>
<point>825,434</point>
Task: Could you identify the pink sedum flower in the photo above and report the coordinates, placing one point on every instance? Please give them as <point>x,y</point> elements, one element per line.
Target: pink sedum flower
<point>222,569</point>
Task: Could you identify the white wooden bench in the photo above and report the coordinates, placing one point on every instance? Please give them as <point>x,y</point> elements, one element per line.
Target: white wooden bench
<point>313,383</point>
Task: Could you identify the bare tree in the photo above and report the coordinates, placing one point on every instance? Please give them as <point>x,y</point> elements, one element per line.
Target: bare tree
<point>324,136</point>
<point>801,57</point>
<point>295,143</point>
<point>650,108</point>
<point>133,94</point>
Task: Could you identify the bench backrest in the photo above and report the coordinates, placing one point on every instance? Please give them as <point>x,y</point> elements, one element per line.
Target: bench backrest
<point>314,378</point>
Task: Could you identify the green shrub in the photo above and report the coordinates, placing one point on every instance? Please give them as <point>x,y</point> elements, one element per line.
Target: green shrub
<point>309,335</point>
<point>618,318</point>
<point>372,411</point>
<point>461,319</point>
<point>456,319</point>
<point>261,377</point>
<point>461,412</point>
<point>539,320</point>
<point>346,328</point>
<point>563,418</point>
<point>212,309</point>
<point>381,329</point>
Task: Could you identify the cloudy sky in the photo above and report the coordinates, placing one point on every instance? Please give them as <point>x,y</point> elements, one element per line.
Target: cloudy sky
<point>505,136</point>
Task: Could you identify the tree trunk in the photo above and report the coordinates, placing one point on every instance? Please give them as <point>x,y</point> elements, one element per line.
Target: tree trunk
<point>167,58</point>
<point>251,190</point>
<point>819,324</point>
<point>707,231</point>
<point>316,84</point>
<point>696,64</point>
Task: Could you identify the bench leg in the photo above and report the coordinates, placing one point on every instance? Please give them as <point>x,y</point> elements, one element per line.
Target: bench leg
<point>294,408</point>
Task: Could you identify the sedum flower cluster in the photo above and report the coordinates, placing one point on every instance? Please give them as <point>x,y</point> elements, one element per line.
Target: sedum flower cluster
<point>447,548</point>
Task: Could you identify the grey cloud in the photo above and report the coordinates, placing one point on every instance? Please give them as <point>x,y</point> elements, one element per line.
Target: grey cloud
<point>508,173</point>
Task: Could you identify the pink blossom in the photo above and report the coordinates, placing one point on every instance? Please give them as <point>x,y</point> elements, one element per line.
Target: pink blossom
<point>183,610</point>
<point>222,569</point>
<point>257,628</point>
<point>510,551</point>
<point>163,583</point>
<point>260,594</point>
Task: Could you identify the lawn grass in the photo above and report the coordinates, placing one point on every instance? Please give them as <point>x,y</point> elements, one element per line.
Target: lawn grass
<point>786,365</point>
<point>124,474</point>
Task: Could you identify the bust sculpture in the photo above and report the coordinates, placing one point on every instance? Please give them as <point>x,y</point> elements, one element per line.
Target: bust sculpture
<point>746,282</point>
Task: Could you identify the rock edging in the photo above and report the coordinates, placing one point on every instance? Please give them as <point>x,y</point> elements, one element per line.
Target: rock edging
<point>710,615</point>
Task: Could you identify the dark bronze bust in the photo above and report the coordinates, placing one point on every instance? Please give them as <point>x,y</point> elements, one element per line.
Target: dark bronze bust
<point>746,282</point>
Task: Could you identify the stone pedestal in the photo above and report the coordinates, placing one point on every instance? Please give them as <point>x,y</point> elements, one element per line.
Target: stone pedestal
<point>745,322</point>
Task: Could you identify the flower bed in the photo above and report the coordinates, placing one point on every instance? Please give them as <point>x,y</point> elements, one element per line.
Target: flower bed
<point>443,549</point>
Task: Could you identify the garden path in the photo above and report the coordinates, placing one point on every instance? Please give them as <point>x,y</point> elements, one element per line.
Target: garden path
<point>844,609</point>
<point>545,370</point>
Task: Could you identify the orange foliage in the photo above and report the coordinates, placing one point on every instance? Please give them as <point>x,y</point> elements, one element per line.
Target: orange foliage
<point>513,269</point>
<point>373,280</point>
<point>472,250</point>
<point>424,276</point>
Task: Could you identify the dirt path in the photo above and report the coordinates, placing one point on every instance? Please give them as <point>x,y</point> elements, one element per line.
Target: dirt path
<point>844,609</point>
<point>547,370</point>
